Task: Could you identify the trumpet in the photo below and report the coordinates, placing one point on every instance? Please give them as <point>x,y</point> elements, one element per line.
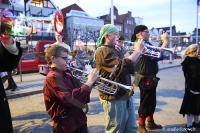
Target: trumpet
<point>102,87</point>
<point>151,50</point>
<point>174,39</point>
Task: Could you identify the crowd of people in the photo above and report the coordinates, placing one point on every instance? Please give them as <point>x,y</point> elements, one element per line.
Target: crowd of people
<point>64,99</point>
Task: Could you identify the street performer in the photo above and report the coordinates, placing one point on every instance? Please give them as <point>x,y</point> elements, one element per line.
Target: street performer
<point>147,81</point>
<point>10,54</point>
<point>119,108</point>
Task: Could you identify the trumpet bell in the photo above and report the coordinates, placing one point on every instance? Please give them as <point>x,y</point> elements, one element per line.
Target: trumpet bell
<point>12,26</point>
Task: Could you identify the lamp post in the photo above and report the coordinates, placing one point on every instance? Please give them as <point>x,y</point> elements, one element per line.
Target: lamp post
<point>170,43</point>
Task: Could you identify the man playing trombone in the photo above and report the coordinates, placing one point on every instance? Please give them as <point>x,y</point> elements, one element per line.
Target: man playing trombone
<point>146,80</point>
<point>119,107</point>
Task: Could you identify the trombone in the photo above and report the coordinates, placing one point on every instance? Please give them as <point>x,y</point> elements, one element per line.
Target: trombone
<point>102,87</point>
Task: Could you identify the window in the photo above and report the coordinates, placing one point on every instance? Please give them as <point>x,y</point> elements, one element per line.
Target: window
<point>89,22</point>
<point>42,3</point>
<point>29,57</point>
<point>119,27</point>
<point>126,30</point>
<point>101,23</point>
<point>79,13</point>
<point>82,21</point>
<point>48,4</point>
<point>95,22</point>
<point>17,13</point>
<point>76,20</point>
<point>129,31</point>
<point>129,22</point>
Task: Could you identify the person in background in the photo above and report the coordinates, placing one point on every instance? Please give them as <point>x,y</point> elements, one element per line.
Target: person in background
<point>10,54</point>
<point>63,98</point>
<point>60,41</point>
<point>147,81</point>
<point>191,101</point>
<point>11,83</point>
<point>120,46</point>
<point>118,108</point>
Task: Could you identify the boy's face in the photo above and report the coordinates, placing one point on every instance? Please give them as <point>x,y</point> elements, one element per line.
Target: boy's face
<point>113,38</point>
<point>60,61</point>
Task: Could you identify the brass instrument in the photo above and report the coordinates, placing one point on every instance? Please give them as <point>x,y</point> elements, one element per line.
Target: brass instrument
<point>151,50</point>
<point>174,39</point>
<point>102,87</point>
<point>11,25</point>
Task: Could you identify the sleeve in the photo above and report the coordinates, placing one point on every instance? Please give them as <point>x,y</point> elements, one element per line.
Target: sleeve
<point>106,59</point>
<point>68,96</point>
<point>12,48</point>
<point>8,60</point>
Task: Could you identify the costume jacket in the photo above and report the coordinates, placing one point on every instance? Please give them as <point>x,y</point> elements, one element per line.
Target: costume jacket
<point>62,95</point>
<point>106,57</point>
<point>191,101</point>
<point>8,62</point>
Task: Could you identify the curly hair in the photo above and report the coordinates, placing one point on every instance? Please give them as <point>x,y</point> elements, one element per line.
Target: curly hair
<point>54,50</point>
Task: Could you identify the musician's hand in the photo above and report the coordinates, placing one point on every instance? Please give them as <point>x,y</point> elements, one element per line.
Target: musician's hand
<point>165,40</point>
<point>165,37</point>
<point>92,77</point>
<point>139,46</point>
<point>131,91</point>
<point>74,64</point>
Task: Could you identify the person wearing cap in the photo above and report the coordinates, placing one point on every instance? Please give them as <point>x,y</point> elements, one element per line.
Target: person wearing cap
<point>118,108</point>
<point>147,81</point>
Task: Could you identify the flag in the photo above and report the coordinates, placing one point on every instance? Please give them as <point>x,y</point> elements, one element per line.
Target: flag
<point>198,2</point>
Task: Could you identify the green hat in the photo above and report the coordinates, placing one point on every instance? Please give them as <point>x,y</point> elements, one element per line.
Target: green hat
<point>106,29</point>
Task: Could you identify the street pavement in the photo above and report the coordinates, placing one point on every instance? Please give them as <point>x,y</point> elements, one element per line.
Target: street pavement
<point>32,83</point>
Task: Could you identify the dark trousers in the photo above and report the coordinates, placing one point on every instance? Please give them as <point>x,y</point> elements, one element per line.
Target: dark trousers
<point>11,82</point>
<point>82,129</point>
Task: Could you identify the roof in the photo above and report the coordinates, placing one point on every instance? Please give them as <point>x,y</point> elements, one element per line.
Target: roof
<point>71,7</point>
<point>123,16</point>
<point>166,28</point>
<point>103,17</point>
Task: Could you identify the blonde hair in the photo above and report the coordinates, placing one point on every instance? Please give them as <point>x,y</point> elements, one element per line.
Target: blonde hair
<point>189,49</point>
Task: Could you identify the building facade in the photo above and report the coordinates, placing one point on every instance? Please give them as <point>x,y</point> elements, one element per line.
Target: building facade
<point>80,25</point>
<point>125,22</point>
<point>128,24</point>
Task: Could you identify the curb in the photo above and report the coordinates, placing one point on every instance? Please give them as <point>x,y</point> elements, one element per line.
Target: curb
<point>22,94</point>
<point>169,67</point>
<point>31,92</point>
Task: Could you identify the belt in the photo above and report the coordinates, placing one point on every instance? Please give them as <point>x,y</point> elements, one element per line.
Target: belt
<point>65,114</point>
<point>146,75</point>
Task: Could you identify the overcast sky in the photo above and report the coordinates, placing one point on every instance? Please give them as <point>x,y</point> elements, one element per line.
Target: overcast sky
<point>155,13</point>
